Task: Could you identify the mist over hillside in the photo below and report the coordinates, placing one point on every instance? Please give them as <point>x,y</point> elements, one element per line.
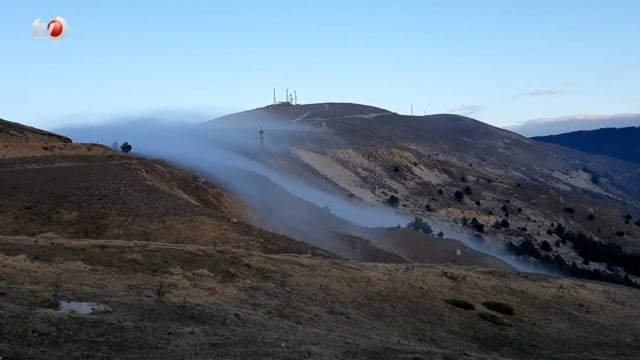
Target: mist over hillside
<point>306,207</point>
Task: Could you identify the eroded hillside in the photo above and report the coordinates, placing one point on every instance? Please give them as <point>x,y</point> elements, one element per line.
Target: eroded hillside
<point>539,200</point>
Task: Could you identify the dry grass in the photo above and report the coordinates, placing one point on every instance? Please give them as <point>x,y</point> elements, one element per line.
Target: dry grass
<point>327,302</point>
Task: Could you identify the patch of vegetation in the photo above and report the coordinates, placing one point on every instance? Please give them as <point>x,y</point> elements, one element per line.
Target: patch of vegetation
<point>479,204</point>
<point>440,192</point>
<point>468,191</point>
<point>504,224</point>
<point>420,225</point>
<point>125,147</point>
<point>477,226</point>
<point>462,304</point>
<point>569,210</point>
<point>393,201</point>
<point>591,217</point>
<point>440,234</point>
<point>590,250</point>
<point>458,195</point>
<point>526,248</point>
<point>493,318</point>
<point>499,307</point>
<point>545,246</point>
<point>619,233</point>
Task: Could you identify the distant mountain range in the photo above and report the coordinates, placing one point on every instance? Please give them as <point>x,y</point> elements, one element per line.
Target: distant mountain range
<point>621,143</point>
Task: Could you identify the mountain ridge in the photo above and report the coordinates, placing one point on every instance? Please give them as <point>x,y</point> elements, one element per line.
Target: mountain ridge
<point>620,143</point>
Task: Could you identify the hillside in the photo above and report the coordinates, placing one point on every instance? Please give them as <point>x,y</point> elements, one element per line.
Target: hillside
<point>89,191</point>
<point>156,261</point>
<point>513,191</point>
<point>11,132</point>
<point>622,143</point>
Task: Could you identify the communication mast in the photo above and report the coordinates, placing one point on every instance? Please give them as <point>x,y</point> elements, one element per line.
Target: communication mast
<point>295,95</point>
<point>274,96</point>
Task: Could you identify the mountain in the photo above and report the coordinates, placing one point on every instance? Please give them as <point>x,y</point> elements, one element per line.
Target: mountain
<point>620,143</point>
<point>484,184</point>
<point>198,259</point>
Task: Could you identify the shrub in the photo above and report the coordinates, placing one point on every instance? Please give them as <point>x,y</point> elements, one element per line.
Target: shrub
<point>499,307</point>
<point>569,210</point>
<point>462,304</point>
<point>463,179</point>
<point>591,217</point>
<point>440,234</point>
<point>504,224</point>
<point>619,233</point>
<point>393,201</point>
<point>479,204</point>
<point>125,147</point>
<point>440,192</point>
<point>428,208</point>
<point>468,191</point>
<point>504,208</point>
<point>628,217</point>
<point>477,226</point>
<point>458,195</point>
<point>638,223</point>
<point>420,225</point>
<point>545,246</point>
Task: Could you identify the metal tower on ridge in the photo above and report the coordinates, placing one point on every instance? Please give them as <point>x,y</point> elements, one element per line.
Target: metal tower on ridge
<point>274,96</point>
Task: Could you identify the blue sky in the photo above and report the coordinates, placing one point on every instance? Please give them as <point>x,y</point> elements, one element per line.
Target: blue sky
<point>502,62</point>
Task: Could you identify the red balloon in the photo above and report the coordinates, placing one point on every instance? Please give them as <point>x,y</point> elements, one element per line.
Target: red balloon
<point>55,28</point>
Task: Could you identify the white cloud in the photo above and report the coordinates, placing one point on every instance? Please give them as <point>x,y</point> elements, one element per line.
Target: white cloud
<point>562,124</point>
<point>543,92</point>
<point>466,110</point>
